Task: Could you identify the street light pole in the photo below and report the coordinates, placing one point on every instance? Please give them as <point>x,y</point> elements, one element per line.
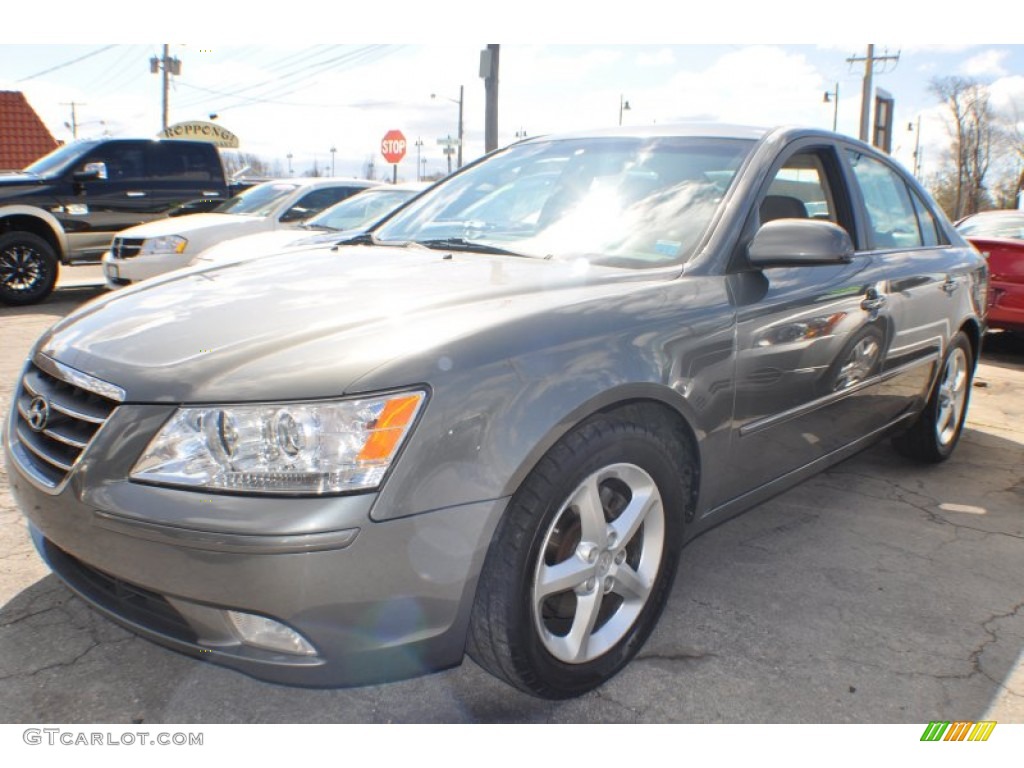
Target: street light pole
<point>835,108</point>
<point>333,150</point>
<point>623,107</point>
<point>419,148</point>
<point>289,156</point>
<point>917,144</point>
<point>458,101</point>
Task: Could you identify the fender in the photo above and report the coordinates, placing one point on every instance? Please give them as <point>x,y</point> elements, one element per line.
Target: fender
<point>44,217</point>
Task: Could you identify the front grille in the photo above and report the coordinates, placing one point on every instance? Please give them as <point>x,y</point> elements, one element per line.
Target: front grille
<point>121,598</point>
<point>57,419</point>
<point>126,247</point>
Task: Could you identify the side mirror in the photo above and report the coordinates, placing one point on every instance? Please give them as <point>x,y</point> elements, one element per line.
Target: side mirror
<point>799,243</point>
<point>295,213</point>
<point>91,172</point>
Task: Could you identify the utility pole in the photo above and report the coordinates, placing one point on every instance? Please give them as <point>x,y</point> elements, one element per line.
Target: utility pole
<point>866,93</point>
<point>74,117</point>
<point>489,72</point>
<point>168,66</point>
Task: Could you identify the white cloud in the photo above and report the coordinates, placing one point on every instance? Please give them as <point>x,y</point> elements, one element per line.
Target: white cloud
<point>986,63</point>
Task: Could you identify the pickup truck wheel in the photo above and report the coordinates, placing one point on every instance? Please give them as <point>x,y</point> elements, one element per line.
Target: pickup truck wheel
<point>583,560</point>
<point>28,268</point>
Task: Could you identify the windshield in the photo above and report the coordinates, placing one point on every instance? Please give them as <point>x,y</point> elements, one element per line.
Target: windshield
<point>62,157</point>
<point>361,210</point>
<point>1010,225</point>
<point>627,202</point>
<point>260,200</point>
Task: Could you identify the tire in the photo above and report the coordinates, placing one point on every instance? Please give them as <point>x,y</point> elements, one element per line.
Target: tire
<point>583,560</point>
<point>28,268</point>
<point>936,432</point>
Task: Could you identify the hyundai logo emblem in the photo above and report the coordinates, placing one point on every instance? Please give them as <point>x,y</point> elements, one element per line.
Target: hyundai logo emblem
<point>38,414</point>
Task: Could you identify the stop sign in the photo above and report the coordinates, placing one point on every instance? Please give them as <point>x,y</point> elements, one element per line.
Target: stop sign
<point>392,146</point>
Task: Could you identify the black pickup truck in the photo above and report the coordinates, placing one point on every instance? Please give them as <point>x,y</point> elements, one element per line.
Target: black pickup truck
<point>66,207</point>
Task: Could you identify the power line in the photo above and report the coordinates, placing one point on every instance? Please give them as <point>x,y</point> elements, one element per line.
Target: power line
<point>68,63</point>
<point>274,91</point>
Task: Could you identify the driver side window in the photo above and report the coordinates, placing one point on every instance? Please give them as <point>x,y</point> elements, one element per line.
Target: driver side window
<point>800,190</point>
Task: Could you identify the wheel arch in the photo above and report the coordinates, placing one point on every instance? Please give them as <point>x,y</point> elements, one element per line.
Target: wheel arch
<point>644,403</point>
<point>24,218</point>
<point>971,328</point>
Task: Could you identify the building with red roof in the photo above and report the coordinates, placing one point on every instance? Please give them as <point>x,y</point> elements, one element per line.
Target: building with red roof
<point>23,136</point>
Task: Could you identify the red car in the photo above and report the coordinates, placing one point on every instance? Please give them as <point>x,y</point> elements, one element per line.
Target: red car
<point>1000,236</point>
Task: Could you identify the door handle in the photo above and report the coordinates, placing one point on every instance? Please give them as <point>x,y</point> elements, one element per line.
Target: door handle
<point>873,300</point>
<point>134,194</point>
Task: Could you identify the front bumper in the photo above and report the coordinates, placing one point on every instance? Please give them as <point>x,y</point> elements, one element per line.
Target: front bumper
<point>376,600</point>
<point>119,272</point>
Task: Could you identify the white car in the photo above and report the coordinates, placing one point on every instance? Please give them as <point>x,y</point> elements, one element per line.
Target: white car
<point>342,221</point>
<point>160,246</point>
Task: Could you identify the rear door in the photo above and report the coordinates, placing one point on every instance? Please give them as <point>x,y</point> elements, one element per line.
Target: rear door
<point>925,280</point>
<point>178,172</point>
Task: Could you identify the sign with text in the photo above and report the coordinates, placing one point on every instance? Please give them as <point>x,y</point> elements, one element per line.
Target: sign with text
<point>392,146</point>
<point>200,130</point>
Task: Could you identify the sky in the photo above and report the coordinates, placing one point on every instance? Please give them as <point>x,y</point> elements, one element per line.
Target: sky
<point>300,86</point>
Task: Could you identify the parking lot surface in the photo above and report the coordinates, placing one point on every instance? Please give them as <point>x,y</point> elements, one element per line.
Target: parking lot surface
<point>880,591</point>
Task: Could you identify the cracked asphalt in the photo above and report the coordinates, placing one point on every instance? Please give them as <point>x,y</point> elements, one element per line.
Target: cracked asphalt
<point>878,592</point>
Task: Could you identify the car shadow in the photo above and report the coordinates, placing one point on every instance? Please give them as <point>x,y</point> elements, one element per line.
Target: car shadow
<point>879,591</point>
<point>1003,349</point>
<point>61,302</point>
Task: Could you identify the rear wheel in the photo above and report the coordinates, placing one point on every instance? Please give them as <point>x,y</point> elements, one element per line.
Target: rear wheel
<point>583,561</point>
<point>28,268</point>
<point>937,430</point>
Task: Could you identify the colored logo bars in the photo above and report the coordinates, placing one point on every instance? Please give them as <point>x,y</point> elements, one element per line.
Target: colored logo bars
<point>959,731</point>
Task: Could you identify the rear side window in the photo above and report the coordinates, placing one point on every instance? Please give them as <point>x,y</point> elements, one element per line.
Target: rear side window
<point>167,161</point>
<point>319,199</point>
<point>930,232</point>
<point>892,218</point>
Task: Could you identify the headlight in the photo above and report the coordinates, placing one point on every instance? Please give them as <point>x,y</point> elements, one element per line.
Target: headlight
<point>165,244</point>
<point>286,448</point>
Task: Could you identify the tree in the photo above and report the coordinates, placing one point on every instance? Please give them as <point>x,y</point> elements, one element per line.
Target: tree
<point>248,164</point>
<point>973,131</point>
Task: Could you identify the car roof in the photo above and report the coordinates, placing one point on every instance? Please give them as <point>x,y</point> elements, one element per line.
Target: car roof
<point>694,129</point>
<point>321,181</point>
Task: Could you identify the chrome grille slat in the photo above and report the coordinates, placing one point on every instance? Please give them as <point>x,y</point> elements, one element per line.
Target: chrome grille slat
<point>58,412</point>
<point>126,247</point>
<point>26,439</point>
<point>83,407</point>
<point>65,438</point>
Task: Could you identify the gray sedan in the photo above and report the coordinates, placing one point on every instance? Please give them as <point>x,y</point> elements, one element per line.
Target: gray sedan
<point>491,424</point>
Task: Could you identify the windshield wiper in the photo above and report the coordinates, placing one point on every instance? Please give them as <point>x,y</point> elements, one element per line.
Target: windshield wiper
<point>462,244</point>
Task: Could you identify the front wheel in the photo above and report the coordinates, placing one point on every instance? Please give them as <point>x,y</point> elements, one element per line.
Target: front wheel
<point>937,430</point>
<point>28,268</point>
<point>583,561</point>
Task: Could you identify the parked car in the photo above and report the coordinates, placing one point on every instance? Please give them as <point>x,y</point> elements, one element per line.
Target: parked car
<point>1000,236</point>
<point>340,222</point>
<point>151,249</point>
<point>65,207</point>
<point>494,436</point>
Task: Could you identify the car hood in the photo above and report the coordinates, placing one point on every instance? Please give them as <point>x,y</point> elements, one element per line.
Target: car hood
<point>195,222</point>
<point>265,244</point>
<point>16,183</point>
<point>270,329</point>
